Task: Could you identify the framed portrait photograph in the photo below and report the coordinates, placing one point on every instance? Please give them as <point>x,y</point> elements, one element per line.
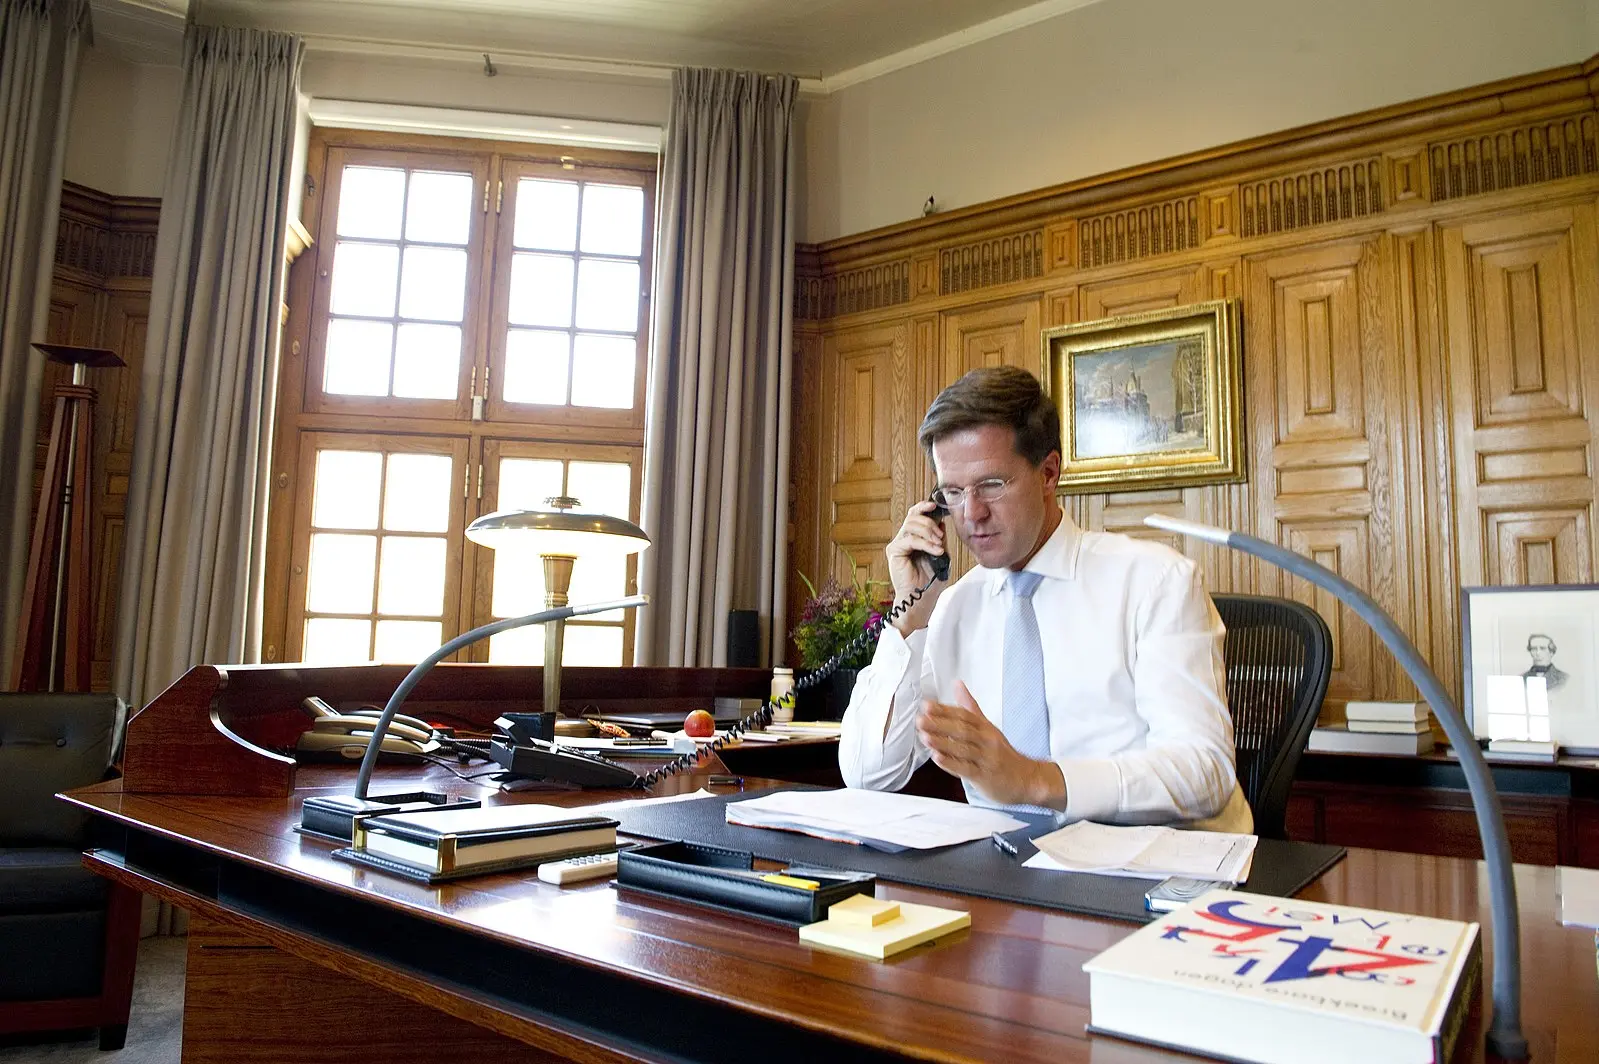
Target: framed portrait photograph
<point>1150,400</point>
<point>1531,660</point>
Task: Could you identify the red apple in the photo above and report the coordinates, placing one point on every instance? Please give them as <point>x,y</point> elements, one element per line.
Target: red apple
<point>700,724</point>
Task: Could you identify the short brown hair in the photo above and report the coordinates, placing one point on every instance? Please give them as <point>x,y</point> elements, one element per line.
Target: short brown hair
<point>995,395</point>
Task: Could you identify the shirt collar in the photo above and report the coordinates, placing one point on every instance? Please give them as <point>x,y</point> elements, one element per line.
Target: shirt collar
<point>1056,559</point>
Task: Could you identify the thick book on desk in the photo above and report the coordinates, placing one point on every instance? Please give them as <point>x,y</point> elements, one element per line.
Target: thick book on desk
<point>1250,978</point>
<point>445,845</point>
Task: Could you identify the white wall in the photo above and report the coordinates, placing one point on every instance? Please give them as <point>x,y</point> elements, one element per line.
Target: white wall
<point>121,124</point>
<point>1124,82</point>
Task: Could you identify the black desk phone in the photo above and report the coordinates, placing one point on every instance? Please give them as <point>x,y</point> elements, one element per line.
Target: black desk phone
<point>522,753</point>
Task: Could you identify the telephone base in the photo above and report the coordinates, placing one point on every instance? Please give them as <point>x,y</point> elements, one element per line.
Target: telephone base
<point>332,816</point>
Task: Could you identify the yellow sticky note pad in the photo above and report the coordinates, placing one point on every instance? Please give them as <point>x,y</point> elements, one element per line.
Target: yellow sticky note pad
<point>861,910</point>
<point>856,933</point>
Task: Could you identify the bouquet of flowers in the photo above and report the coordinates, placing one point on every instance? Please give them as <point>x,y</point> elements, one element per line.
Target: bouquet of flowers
<point>833,618</point>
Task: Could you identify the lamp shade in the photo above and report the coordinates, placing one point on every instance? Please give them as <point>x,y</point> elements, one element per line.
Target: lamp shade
<point>560,532</point>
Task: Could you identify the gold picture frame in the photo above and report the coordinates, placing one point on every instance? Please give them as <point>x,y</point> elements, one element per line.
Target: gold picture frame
<point>1150,400</point>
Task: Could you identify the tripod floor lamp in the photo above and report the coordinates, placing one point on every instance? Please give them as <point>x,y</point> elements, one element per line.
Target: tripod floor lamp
<point>54,640</point>
<point>1504,1032</point>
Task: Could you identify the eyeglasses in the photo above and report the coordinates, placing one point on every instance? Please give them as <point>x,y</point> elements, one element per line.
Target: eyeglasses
<point>991,490</point>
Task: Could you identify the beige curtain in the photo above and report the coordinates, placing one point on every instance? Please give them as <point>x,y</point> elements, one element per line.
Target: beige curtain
<point>193,556</point>
<point>39,42</point>
<point>716,446</point>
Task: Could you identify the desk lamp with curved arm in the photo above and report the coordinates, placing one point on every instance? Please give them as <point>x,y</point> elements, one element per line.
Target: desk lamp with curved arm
<point>1504,1032</point>
<point>559,535</point>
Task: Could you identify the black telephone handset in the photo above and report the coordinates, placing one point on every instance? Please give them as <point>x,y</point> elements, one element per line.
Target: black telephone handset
<point>939,562</point>
<point>522,755</point>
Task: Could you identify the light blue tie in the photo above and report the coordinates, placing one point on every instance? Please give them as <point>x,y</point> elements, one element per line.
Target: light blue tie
<point>1025,714</point>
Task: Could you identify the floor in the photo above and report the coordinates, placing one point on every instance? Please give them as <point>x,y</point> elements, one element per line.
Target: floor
<point>155,1028</point>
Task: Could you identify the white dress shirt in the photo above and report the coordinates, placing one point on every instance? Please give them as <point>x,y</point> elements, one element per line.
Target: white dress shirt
<point>1133,679</point>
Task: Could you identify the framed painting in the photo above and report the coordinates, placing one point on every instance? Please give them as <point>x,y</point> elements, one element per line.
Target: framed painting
<point>1149,401</point>
<point>1531,660</point>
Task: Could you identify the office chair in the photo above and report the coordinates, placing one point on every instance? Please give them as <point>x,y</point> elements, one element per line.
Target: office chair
<point>1278,656</point>
<point>68,938</point>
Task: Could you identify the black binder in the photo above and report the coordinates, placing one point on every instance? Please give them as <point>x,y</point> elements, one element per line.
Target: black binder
<point>978,868</point>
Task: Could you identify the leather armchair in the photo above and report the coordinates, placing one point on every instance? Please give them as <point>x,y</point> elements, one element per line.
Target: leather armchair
<point>68,937</point>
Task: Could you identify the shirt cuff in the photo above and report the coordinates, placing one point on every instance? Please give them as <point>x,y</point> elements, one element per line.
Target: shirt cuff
<point>1093,787</point>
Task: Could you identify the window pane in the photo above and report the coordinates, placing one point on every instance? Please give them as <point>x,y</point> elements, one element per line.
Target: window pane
<point>439,208</point>
<point>613,220</point>
<point>546,215</point>
<point>369,206</point>
<point>363,279</point>
<point>433,284</point>
<point>337,641</point>
<point>411,580</point>
<point>598,580</point>
<point>346,489</point>
<point>541,290</point>
<point>518,584</point>
<point>340,580</point>
<point>357,361</point>
<point>592,645</point>
<point>519,646</point>
<point>417,493</point>
<point>407,642</point>
<point>427,361</point>
<point>526,482</point>
<point>602,371</point>
<point>607,295</point>
<point>535,366</point>
<point>603,487</point>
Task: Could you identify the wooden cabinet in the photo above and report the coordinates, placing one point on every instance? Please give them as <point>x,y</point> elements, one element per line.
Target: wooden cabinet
<point>1420,805</point>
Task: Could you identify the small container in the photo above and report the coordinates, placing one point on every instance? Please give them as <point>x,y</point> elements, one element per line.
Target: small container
<point>782,688</point>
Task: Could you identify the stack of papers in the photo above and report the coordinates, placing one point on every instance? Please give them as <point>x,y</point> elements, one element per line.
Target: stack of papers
<point>882,820</point>
<point>1145,852</point>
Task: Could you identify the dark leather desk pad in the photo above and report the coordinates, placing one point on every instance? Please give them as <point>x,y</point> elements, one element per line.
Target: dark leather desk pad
<point>976,868</point>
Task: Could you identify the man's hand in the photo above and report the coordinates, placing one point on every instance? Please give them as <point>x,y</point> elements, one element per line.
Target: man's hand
<point>918,534</point>
<point>965,743</point>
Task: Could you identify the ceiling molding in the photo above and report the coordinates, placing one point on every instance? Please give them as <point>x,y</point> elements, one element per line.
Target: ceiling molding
<point>952,42</point>
<point>401,118</point>
<point>140,31</point>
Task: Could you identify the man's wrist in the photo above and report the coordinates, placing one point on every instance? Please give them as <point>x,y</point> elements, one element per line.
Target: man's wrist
<point>1048,786</point>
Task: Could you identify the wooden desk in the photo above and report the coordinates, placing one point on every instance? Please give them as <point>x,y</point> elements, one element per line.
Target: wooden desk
<point>296,956</point>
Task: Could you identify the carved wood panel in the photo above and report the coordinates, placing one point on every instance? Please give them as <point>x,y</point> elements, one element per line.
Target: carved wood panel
<point>1151,291</point>
<point>1322,392</point>
<point>1521,331</point>
<point>865,391</point>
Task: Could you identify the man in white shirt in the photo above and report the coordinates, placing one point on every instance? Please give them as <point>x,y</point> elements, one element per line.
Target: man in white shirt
<point>1077,672</point>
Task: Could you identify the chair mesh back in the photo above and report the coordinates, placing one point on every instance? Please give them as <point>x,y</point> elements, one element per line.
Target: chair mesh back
<point>1278,657</point>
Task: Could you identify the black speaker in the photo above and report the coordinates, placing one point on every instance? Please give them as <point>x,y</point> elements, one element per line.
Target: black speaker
<point>743,639</point>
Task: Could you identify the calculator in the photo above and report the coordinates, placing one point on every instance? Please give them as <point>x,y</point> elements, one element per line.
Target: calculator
<point>578,869</point>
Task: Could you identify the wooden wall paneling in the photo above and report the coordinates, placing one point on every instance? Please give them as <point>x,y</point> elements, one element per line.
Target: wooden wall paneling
<point>1145,291</point>
<point>1520,307</point>
<point>865,382</point>
<point>809,457</point>
<point>100,297</point>
<point>1324,393</point>
<point>929,378</point>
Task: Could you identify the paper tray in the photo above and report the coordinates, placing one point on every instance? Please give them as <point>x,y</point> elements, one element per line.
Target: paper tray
<point>718,877</point>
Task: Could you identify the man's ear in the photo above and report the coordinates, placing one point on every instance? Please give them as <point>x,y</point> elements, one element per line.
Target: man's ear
<point>1050,468</point>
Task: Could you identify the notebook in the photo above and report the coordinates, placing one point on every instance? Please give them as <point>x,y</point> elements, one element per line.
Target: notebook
<point>455,842</point>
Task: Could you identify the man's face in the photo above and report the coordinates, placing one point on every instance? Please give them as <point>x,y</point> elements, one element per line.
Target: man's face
<point>1001,534</point>
<point>1541,649</point>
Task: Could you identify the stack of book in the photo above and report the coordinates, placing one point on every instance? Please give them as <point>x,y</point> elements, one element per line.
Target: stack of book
<point>439,845</point>
<point>1377,728</point>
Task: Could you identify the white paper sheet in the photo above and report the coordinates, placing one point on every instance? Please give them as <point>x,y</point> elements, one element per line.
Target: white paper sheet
<point>1149,852</point>
<point>1579,896</point>
<point>854,815</point>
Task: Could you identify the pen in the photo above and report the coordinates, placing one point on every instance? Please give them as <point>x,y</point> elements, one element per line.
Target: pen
<point>1004,845</point>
